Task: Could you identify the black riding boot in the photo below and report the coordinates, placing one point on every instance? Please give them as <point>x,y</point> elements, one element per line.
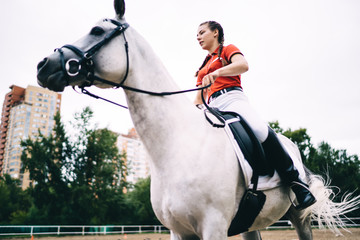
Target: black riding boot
<point>287,171</point>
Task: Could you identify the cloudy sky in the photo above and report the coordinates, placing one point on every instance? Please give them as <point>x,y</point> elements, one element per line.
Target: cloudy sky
<point>304,55</point>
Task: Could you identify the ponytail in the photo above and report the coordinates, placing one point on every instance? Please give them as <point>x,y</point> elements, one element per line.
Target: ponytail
<point>223,61</point>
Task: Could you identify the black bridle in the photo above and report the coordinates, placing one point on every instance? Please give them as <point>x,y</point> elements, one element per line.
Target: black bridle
<point>85,66</point>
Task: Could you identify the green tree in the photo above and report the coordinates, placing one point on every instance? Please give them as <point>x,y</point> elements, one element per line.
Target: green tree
<point>139,201</point>
<point>14,203</point>
<point>98,174</point>
<point>75,182</point>
<point>344,169</point>
<point>47,159</point>
<point>81,171</point>
<point>104,175</point>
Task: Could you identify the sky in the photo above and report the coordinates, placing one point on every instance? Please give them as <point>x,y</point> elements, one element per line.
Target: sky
<point>304,55</point>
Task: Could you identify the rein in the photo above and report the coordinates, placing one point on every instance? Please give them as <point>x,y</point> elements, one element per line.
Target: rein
<point>85,66</point>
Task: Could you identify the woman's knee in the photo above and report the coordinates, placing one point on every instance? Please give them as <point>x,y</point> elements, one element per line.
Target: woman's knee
<point>260,131</point>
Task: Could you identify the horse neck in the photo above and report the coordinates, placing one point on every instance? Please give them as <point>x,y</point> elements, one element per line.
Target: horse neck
<point>156,119</point>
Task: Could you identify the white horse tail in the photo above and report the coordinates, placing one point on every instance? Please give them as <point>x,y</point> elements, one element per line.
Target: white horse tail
<point>325,211</point>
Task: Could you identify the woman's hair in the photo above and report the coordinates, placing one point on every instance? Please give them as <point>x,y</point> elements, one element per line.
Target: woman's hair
<point>214,26</point>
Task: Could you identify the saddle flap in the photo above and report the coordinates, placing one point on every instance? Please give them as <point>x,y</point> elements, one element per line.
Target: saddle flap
<point>248,143</point>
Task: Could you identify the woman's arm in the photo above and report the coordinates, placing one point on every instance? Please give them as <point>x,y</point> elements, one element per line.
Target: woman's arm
<point>238,65</point>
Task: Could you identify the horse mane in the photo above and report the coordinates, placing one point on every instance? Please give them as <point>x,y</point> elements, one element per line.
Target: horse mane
<point>119,6</point>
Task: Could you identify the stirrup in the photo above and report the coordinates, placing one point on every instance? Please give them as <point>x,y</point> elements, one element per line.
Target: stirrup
<point>298,207</point>
<point>294,183</point>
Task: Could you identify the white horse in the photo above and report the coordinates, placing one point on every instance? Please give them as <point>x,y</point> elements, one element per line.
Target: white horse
<point>196,181</point>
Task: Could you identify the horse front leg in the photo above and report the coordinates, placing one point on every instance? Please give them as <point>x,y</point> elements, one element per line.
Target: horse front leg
<point>254,235</point>
<point>214,226</point>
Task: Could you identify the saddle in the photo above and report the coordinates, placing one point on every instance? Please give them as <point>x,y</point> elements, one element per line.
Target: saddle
<point>250,146</point>
<point>253,200</point>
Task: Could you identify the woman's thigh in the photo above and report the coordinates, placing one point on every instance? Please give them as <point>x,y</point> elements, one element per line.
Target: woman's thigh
<point>236,101</point>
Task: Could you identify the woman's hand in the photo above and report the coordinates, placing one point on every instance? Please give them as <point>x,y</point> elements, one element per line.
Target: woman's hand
<point>198,98</point>
<point>210,78</point>
<point>238,65</point>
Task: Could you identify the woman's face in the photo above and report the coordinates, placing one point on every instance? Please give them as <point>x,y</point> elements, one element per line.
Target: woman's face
<point>207,38</point>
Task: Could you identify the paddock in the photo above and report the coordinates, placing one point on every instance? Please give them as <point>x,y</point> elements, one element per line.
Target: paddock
<point>266,235</point>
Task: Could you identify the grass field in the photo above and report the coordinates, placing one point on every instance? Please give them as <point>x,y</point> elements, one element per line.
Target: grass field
<point>266,235</point>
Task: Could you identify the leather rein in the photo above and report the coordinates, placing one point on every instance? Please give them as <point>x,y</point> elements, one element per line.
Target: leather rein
<point>85,66</point>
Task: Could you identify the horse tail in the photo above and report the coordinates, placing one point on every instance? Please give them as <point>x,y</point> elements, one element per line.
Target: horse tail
<point>325,211</point>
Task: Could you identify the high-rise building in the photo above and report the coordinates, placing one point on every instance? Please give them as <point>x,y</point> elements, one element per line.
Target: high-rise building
<point>26,111</point>
<point>137,158</point>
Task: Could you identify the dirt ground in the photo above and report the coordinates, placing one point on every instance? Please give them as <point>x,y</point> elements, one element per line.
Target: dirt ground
<point>266,235</point>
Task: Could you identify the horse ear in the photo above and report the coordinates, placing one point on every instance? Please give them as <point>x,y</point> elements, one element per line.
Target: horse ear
<point>119,6</point>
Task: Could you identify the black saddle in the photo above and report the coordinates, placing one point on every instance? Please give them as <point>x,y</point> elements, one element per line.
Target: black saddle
<point>247,141</point>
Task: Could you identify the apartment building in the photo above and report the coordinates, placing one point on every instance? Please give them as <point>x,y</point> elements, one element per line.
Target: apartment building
<point>137,156</point>
<point>25,112</point>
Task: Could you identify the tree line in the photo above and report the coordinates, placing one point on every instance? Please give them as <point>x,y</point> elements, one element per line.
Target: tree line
<point>77,179</point>
<point>80,178</point>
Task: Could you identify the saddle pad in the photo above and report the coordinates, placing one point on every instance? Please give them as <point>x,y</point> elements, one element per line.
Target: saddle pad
<point>266,182</point>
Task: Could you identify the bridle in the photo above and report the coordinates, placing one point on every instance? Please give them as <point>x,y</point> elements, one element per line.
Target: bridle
<point>85,66</point>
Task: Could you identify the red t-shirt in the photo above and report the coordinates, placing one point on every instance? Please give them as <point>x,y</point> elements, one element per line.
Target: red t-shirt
<point>215,63</point>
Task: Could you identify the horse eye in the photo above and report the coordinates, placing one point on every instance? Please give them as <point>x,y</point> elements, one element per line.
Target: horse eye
<point>97,31</point>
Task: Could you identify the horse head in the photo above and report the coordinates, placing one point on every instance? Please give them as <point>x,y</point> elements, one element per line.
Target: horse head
<point>84,63</point>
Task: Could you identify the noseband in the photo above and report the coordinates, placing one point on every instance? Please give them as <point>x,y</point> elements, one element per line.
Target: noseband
<point>85,65</point>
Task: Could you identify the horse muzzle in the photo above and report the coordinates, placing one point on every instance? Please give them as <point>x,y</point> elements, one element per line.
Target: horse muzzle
<point>51,76</point>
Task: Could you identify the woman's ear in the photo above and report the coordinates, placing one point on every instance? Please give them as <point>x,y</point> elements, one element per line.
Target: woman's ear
<point>119,6</point>
<point>216,33</point>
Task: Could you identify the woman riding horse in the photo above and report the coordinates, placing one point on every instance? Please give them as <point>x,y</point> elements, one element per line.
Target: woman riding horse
<point>191,193</point>
<point>222,68</point>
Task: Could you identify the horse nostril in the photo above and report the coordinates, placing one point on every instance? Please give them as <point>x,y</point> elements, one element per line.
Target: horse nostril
<point>42,63</point>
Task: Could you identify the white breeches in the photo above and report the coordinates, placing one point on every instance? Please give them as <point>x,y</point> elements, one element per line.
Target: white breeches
<point>237,101</point>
